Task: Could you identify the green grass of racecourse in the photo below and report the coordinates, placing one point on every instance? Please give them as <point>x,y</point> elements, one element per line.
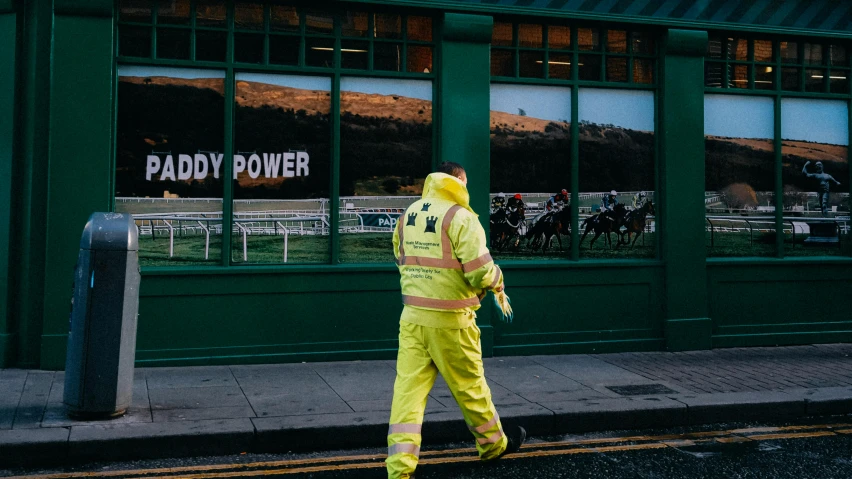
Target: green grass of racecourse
<point>739,244</point>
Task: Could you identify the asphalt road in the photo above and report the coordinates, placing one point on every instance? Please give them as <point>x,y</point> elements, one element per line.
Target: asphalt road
<point>817,449</point>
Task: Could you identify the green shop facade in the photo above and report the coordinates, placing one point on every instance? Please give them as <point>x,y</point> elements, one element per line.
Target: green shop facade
<point>266,150</point>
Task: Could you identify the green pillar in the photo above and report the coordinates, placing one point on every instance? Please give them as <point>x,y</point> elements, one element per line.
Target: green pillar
<point>463,102</point>
<point>687,325</point>
<point>80,165</point>
<point>8,72</point>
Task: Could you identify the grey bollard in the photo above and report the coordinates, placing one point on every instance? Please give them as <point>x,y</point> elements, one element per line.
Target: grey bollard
<point>102,330</point>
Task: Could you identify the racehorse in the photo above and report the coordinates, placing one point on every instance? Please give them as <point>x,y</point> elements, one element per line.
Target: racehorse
<point>634,222</point>
<point>557,224</point>
<point>603,223</point>
<point>507,228</point>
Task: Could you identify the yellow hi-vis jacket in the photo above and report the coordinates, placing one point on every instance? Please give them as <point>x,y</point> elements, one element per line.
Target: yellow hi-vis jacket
<point>442,252</point>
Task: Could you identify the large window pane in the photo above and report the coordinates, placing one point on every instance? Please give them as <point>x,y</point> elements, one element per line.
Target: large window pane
<point>385,156</point>
<point>815,137</point>
<point>169,162</point>
<point>282,169</point>
<point>530,157</point>
<point>739,176</point>
<point>617,153</point>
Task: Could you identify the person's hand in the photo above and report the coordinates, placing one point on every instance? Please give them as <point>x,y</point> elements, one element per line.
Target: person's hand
<point>502,302</point>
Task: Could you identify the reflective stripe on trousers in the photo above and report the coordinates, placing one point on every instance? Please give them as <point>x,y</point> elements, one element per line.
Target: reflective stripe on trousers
<point>457,355</point>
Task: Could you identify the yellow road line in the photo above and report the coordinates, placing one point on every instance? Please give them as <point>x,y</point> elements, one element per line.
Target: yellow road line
<point>673,440</point>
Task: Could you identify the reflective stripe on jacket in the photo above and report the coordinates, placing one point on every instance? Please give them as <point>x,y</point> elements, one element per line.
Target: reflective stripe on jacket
<point>442,252</point>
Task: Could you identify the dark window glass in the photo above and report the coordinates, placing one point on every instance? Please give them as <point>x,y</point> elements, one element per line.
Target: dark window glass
<point>643,71</point>
<point>210,13</point>
<point>283,18</point>
<point>420,29</point>
<point>319,52</point>
<point>284,50</point>
<point>387,56</point>
<point>248,48</point>
<point>789,52</point>
<point>616,69</point>
<point>763,51</point>
<point>248,16</point>
<point>134,41</point>
<point>173,12</point>
<point>501,35</point>
<point>838,82</point>
<point>714,48</point>
<point>739,76</point>
<point>790,78</point>
<point>355,24</point>
<point>590,68</point>
<point>558,37</point>
<point>559,66</point>
<point>616,41</point>
<point>530,35</point>
<point>713,74</point>
<point>388,26</point>
<point>354,54</point>
<point>173,43</point>
<point>815,80</point>
<point>589,39</point>
<point>643,43</point>
<point>503,63</point>
<point>319,22</point>
<point>837,53</point>
<point>134,11</point>
<point>737,49</point>
<point>210,46</point>
<point>764,77</point>
<point>419,59</point>
<point>531,64</point>
<point>813,54</point>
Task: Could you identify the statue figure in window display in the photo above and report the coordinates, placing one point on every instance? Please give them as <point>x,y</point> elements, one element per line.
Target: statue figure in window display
<point>824,186</point>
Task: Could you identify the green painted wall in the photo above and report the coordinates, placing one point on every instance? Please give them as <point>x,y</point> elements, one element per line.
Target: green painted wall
<point>8,70</point>
<point>681,211</point>
<point>80,154</point>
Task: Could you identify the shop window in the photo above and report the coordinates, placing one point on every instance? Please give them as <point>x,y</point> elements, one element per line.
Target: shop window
<point>739,176</point>
<point>558,37</point>
<point>210,13</point>
<point>134,11</point>
<point>419,29</point>
<point>282,169</point>
<point>530,157</point>
<point>173,44</point>
<point>616,147</point>
<point>170,12</point>
<point>385,156</point>
<point>169,161</point>
<point>248,16</point>
<point>815,152</point>
<point>284,18</point>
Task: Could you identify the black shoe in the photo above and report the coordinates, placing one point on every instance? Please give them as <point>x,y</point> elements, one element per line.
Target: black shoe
<point>517,436</point>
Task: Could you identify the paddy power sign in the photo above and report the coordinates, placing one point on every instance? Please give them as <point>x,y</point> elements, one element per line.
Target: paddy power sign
<point>198,166</point>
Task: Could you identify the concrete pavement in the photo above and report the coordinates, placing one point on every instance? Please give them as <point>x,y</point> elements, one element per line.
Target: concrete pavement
<point>212,410</point>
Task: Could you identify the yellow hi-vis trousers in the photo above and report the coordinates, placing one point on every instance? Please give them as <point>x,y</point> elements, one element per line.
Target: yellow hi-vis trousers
<point>457,355</point>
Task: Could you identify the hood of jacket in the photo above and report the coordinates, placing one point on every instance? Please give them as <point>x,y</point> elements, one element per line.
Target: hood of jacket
<point>447,187</point>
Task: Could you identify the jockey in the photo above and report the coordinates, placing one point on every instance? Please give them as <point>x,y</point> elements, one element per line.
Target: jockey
<point>557,201</point>
<point>639,200</point>
<point>498,202</point>
<point>514,203</point>
<point>608,203</point>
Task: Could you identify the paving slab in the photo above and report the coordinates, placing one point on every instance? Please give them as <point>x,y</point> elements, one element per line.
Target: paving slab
<point>196,397</point>
<point>321,431</point>
<point>742,406</point>
<point>189,377</point>
<point>824,401</point>
<point>623,413</point>
<point>275,375</point>
<point>522,375</point>
<point>349,379</point>
<point>33,400</point>
<point>284,402</point>
<point>204,413</point>
<point>160,439</point>
<point>27,446</point>
<point>432,405</point>
<point>588,370</point>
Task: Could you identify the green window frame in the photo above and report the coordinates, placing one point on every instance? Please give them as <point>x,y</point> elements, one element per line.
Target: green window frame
<point>634,53</point>
<point>790,54</point>
<point>140,19</point>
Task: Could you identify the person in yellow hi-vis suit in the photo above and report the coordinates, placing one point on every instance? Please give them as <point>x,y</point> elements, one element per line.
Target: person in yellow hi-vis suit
<point>445,271</point>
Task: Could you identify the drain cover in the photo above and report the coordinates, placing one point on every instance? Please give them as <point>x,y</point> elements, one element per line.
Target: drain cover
<point>641,389</point>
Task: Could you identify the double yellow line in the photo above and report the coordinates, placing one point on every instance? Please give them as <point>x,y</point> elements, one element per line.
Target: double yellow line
<point>456,456</point>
